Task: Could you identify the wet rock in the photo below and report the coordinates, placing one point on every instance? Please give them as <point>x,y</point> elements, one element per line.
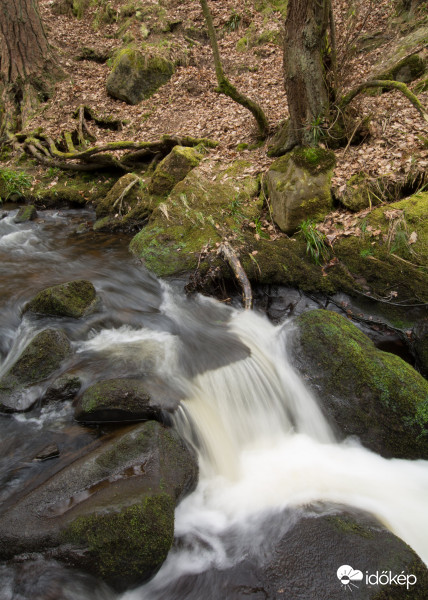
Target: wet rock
<point>173,168</point>
<point>420,333</point>
<point>65,387</point>
<point>300,555</point>
<point>39,579</point>
<point>40,359</point>
<point>135,76</point>
<point>365,392</point>
<point>298,185</point>
<point>72,299</point>
<point>26,213</point>
<point>115,400</point>
<point>111,512</point>
<point>50,451</point>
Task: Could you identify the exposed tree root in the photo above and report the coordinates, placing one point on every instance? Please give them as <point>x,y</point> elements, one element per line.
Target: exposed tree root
<point>390,85</point>
<point>113,155</point>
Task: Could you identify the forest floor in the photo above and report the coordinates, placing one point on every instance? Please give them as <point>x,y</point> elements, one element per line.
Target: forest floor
<point>250,44</point>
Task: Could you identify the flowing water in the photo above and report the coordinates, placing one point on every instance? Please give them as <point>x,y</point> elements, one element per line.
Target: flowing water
<point>264,446</point>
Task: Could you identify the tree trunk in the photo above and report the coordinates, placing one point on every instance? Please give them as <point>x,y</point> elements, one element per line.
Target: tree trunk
<point>26,60</point>
<point>304,76</point>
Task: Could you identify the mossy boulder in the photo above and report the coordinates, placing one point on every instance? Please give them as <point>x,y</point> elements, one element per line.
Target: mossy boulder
<point>110,512</point>
<point>403,63</point>
<point>365,392</point>
<point>72,299</point>
<point>173,168</point>
<point>118,400</point>
<point>25,214</point>
<point>298,185</point>
<point>360,192</point>
<point>135,76</point>
<point>287,554</point>
<point>126,207</point>
<point>193,216</point>
<point>39,360</point>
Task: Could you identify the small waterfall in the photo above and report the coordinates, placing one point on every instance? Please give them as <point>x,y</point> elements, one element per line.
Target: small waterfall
<point>265,446</point>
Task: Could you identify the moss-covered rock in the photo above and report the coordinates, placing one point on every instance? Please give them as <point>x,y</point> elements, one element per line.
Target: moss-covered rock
<point>173,168</point>
<point>364,391</point>
<point>360,192</point>
<point>110,512</point>
<point>25,214</point>
<point>40,359</point>
<point>66,387</point>
<point>193,216</point>
<point>71,299</point>
<point>402,63</point>
<point>126,207</point>
<point>287,554</point>
<point>117,400</point>
<point>135,76</point>
<point>298,185</point>
<point>128,546</point>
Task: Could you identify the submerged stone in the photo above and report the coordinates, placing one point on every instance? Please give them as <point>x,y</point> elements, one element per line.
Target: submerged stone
<point>40,359</point>
<point>365,392</point>
<point>25,214</point>
<point>298,185</point>
<point>71,299</point>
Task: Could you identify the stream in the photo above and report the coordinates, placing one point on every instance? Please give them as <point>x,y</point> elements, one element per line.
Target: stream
<point>264,446</point>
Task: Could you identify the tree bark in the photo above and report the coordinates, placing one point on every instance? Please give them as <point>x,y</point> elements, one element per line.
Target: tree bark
<point>26,60</point>
<point>304,77</point>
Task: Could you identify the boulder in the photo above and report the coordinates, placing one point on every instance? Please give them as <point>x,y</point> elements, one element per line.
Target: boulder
<point>109,513</point>
<point>25,214</point>
<point>173,168</point>
<point>40,359</point>
<point>307,553</point>
<point>126,207</point>
<point>402,63</point>
<point>298,185</point>
<point>364,391</point>
<point>135,76</point>
<point>72,299</point>
<point>66,387</point>
<point>119,400</point>
<point>189,218</point>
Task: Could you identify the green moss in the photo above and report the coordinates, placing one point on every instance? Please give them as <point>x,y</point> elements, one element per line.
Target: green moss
<point>314,159</point>
<point>186,222</point>
<point>377,390</point>
<point>72,299</point>
<point>348,525</point>
<point>40,359</point>
<point>26,213</point>
<point>129,546</point>
<point>406,70</point>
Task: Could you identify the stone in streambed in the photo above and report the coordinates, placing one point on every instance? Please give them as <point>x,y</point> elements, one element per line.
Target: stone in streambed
<point>26,213</point>
<point>109,513</point>
<point>300,556</point>
<point>71,299</point>
<point>115,400</point>
<point>364,391</point>
<point>40,359</point>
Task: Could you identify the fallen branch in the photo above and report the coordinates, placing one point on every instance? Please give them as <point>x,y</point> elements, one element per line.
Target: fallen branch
<point>228,253</point>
